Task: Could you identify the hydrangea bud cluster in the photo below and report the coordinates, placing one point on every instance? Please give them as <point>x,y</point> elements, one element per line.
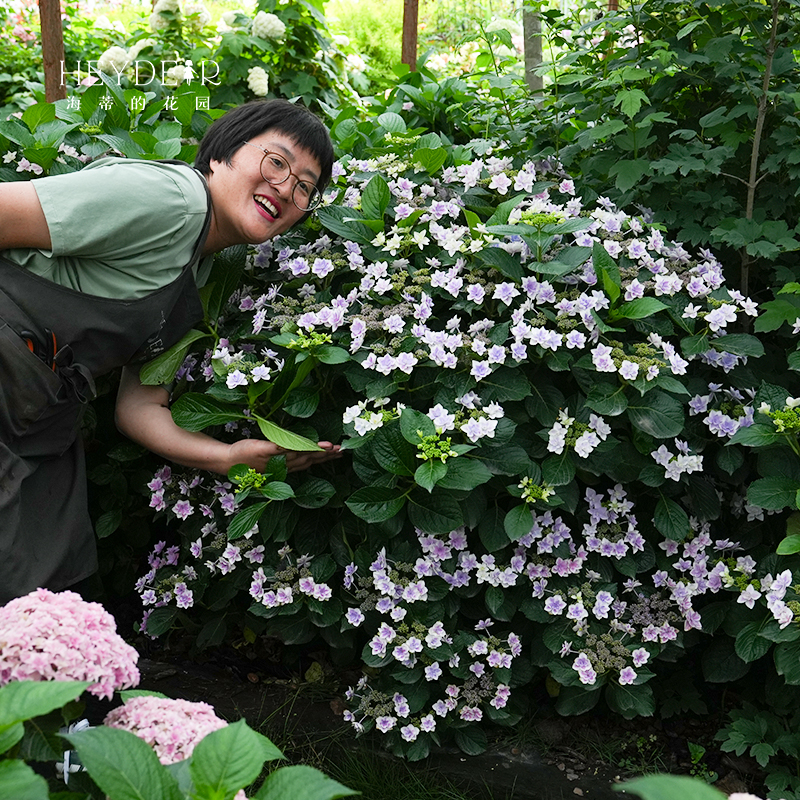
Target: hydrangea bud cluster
<point>58,636</point>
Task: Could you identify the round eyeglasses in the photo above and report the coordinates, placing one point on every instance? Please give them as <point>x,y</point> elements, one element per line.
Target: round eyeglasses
<point>276,170</point>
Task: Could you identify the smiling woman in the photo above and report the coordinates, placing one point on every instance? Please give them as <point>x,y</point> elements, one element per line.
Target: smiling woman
<point>78,301</point>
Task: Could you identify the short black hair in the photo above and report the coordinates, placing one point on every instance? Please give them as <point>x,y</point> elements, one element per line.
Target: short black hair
<point>228,133</point>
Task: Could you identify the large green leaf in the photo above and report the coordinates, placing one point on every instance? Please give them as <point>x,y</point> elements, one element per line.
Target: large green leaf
<point>641,308</point>
<point>632,700</point>
<point>224,278</point>
<point>230,758</point>
<point>375,198</point>
<point>301,782</point>
<point>669,787</point>
<point>721,664</point>
<point>414,425</point>
<point>740,344</point>
<point>750,645</point>
<point>464,474</point>
<point>246,520</point>
<point>437,514</point>
<point>284,438</point>
<point>773,493</point>
<point>607,399</point>
<point>759,434</point>
<point>123,765</point>
<point>429,473</point>
<point>657,414</point>
<point>671,520</point>
<point>194,412</point>
<point>346,222</point>
<point>376,503</point>
<point>787,662</point>
<point>19,782</point>
<point>21,700</point>
<point>393,452</point>
<point>518,522</point>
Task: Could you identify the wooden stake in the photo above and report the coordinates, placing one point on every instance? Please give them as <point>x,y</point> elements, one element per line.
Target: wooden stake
<point>410,23</point>
<point>52,49</point>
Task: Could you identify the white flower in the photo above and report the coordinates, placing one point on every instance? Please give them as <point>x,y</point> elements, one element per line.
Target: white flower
<point>175,75</point>
<point>258,81</point>
<point>197,16</point>
<point>113,61</point>
<point>268,26</point>
<point>137,48</point>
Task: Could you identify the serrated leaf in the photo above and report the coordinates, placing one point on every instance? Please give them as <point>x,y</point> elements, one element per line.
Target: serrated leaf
<point>375,198</point>
<point>671,520</point>
<point>162,369</point>
<point>20,782</point>
<point>657,414</point>
<point>194,412</point>
<point>245,520</point>
<point>301,782</point>
<point>774,493</point>
<point>413,423</point>
<point>429,473</point>
<point>23,700</point>
<point>669,787</point>
<point>376,503</point>
<point>437,515</point>
<point>749,644</point>
<point>284,438</point>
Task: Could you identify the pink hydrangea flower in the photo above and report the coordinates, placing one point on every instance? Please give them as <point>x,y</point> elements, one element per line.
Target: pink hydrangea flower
<point>171,727</point>
<point>59,636</point>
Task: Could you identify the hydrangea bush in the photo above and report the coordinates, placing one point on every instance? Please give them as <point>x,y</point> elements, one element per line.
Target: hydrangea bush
<point>537,395</point>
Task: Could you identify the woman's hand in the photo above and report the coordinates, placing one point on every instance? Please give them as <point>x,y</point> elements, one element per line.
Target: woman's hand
<point>143,415</point>
<point>257,452</point>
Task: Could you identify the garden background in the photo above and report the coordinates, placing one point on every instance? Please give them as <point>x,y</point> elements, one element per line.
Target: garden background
<point>554,329</point>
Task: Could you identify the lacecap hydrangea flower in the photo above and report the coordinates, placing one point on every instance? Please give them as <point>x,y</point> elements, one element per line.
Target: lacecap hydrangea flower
<point>59,636</point>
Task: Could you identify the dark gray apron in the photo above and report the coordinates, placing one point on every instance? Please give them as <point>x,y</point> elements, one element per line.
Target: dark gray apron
<point>46,536</point>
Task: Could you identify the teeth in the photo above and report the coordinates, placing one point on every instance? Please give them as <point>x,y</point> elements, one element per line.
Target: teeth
<point>270,209</point>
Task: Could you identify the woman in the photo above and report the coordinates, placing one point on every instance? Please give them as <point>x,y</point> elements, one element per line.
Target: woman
<point>99,269</point>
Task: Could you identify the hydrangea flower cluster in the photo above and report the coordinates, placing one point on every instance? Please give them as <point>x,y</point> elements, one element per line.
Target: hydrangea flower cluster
<point>59,636</point>
<point>171,727</point>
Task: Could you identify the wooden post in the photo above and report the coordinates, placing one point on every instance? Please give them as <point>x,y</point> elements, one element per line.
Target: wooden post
<point>52,49</point>
<point>532,35</point>
<point>410,22</point>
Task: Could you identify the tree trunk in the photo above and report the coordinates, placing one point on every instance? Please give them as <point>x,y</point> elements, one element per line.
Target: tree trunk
<point>410,22</point>
<point>52,50</point>
<point>532,33</point>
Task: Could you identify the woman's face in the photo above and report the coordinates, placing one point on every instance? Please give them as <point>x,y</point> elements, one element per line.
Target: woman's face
<point>245,208</point>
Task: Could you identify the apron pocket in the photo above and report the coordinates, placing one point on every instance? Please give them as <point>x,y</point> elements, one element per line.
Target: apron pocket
<point>27,387</point>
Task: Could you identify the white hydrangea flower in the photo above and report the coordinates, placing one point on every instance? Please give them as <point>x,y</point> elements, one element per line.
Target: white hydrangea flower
<point>268,26</point>
<point>197,16</point>
<point>113,61</point>
<point>258,81</point>
<point>137,48</point>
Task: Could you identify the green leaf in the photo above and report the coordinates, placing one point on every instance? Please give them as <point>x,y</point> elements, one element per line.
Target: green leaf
<point>245,520</point>
<point>438,514</point>
<point>328,354</point>
<point>630,101</point>
<point>194,412</point>
<point>631,700</point>
<point>33,116</point>
<point>430,159</point>
<point>301,782</point>
<point>20,782</point>
<point>759,434</point>
<point>10,735</point>
<point>773,493</point>
<point>740,344</point>
<point>607,399</point>
<point>669,787</point>
<point>284,438</point>
<point>393,452</point>
<point>637,309</point>
<point>314,493</point>
<point>277,490</point>
<point>392,122</point>
<point>671,520</point>
<point>629,172</point>
<point>789,546</point>
<point>230,758</point>
<point>657,414</point>
<point>429,473</point>
<point>375,198</point>
<point>413,423</point>
<point>22,700</point>
<point>576,700</point>
<point>376,503</point>
<point>161,620</point>
<point>226,271</point>
<point>721,664</point>
<point>749,644</point>
<point>346,222</point>
<point>464,474</point>
<point>787,662</point>
<point>471,740</point>
<point>108,522</point>
<point>123,765</point>
<point>518,522</point>
<point>504,262</point>
<point>162,369</point>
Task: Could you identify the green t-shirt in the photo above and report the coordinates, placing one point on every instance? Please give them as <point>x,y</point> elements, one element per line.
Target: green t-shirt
<point>119,228</point>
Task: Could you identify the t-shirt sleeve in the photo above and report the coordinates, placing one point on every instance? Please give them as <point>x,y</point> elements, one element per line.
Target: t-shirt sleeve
<point>115,210</point>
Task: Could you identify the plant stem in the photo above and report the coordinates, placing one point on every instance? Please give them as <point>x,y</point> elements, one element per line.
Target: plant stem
<point>752,183</point>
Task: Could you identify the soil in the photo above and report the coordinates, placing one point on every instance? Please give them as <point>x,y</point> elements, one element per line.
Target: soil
<point>552,758</point>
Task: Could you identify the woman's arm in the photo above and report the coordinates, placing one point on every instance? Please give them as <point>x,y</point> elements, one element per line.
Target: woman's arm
<point>143,414</point>
<point>23,223</point>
